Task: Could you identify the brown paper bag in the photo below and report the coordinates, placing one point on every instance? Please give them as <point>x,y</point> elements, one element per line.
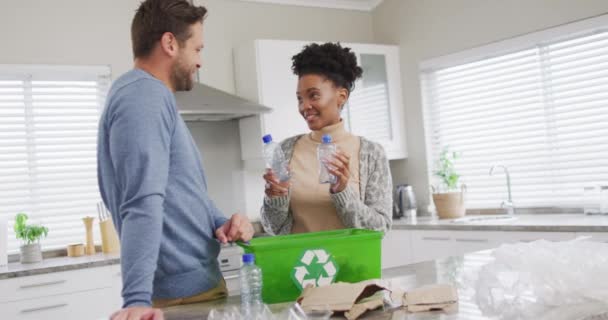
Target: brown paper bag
<point>342,298</point>
<point>372,303</point>
<point>431,298</point>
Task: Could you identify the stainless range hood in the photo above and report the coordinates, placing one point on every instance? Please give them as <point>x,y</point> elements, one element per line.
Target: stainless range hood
<point>205,103</point>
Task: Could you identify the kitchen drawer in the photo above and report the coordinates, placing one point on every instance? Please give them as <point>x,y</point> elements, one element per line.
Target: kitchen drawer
<point>432,235</point>
<point>472,241</point>
<point>92,304</point>
<point>55,283</point>
<point>430,245</point>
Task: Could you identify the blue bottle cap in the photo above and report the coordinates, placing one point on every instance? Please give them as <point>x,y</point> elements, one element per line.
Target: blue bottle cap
<point>326,138</point>
<point>248,258</point>
<point>267,138</point>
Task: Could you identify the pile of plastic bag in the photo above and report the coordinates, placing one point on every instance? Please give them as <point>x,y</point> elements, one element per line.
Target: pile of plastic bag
<point>545,280</point>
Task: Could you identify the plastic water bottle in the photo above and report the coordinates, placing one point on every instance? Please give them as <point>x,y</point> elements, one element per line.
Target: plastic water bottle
<point>275,159</point>
<point>251,286</point>
<point>325,152</point>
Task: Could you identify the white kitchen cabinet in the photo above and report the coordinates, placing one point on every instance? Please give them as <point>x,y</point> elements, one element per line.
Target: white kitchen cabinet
<point>78,294</point>
<point>429,245</point>
<point>116,286</point>
<point>92,304</point>
<point>263,74</point>
<point>375,109</point>
<point>56,283</point>
<point>471,241</point>
<point>396,249</point>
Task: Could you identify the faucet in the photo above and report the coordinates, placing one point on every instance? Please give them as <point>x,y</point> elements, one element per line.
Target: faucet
<point>508,204</point>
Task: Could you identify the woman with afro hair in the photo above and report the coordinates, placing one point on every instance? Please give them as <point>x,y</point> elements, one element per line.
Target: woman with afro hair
<point>362,195</point>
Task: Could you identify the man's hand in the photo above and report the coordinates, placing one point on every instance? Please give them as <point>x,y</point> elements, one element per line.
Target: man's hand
<point>138,313</point>
<point>237,228</point>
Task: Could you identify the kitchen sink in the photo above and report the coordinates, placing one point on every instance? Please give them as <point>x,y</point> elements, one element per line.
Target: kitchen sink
<point>484,218</point>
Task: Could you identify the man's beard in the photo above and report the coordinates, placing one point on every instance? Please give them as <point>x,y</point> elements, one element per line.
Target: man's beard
<point>181,77</point>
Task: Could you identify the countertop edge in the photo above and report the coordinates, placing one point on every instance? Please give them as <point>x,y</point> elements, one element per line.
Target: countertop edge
<point>59,268</point>
<point>514,228</point>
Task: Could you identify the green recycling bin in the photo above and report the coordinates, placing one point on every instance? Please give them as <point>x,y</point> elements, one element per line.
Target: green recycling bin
<point>292,262</point>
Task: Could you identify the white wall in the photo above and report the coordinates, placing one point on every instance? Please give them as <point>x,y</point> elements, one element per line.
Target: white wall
<point>430,28</point>
<point>218,143</point>
<point>231,23</point>
<point>98,32</point>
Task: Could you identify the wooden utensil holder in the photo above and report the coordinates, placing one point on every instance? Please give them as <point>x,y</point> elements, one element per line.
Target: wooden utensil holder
<point>109,238</point>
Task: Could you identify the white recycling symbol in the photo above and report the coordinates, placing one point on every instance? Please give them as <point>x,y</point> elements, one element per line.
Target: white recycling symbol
<point>315,268</point>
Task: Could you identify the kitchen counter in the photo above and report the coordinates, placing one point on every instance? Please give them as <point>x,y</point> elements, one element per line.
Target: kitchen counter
<point>454,270</point>
<point>523,222</point>
<point>57,264</point>
<point>460,271</point>
<point>412,276</point>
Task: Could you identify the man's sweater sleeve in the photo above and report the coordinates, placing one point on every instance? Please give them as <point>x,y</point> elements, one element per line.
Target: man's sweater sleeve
<point>140,131</point>
<point>218,217</point>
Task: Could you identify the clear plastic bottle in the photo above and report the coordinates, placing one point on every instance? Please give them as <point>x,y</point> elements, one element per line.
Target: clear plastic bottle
<point>275,159</point>
<point>325,152</point>
<point>251,287</point>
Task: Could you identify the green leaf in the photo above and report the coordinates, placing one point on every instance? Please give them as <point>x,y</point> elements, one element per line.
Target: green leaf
<point>29,234</point>
<point>445,169</point>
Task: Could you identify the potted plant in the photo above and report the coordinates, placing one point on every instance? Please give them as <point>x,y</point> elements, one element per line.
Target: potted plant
<point>30,236</point>
<point>447,196</point>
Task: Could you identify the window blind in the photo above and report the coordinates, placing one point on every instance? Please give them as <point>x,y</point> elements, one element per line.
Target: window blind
<point>542,111</point>
<point>48,133</point>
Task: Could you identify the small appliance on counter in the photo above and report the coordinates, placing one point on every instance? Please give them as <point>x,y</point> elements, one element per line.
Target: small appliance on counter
<point>404,202</point>
<point>230,257</point>
<point>230,260</point>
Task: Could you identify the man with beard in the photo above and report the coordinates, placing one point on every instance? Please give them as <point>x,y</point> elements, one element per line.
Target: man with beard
<point>150,173</point>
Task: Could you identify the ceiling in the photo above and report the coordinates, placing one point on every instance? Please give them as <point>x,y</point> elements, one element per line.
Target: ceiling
<point>361,5</point>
